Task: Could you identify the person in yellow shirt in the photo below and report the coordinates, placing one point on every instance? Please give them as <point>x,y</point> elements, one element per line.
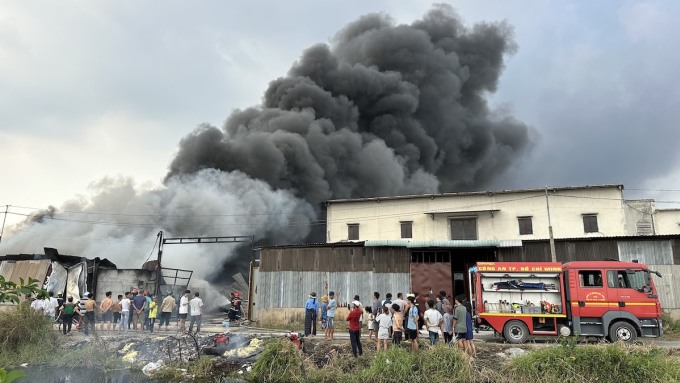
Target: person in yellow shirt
<point>153,311</point>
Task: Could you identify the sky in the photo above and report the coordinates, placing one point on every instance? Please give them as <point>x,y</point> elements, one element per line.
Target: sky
<point>97,91</point>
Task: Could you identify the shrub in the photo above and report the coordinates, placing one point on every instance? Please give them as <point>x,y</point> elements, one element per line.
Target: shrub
<point>614,363</point>
<point>393,365</point>
<point>25,335</point>
<point>443,363</point>
<point>279,362</point>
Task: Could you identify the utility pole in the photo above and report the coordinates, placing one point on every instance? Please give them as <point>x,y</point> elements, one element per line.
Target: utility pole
<point>553,256</point>
<point>159,273</point>
<point>3,222</point>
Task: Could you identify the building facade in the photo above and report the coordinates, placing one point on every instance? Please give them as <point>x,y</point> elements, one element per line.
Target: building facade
<point>427,243</point>
<point>573,212</point>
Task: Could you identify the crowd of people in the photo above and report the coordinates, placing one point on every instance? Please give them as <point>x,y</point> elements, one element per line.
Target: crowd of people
<point>390,321</point>
<point>134,310</point>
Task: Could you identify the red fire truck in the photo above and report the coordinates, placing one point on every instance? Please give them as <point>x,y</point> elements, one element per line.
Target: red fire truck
<point>612,299</point>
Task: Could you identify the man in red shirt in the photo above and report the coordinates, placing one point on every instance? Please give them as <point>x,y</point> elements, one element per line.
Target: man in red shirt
<point>354,319</point>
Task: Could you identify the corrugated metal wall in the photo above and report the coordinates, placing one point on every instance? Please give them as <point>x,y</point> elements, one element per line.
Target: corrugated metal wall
<point>344,258</point>
<point>287,289</point>
<point>288,275</point>
<point>647,252</point>
<point>667,285</point>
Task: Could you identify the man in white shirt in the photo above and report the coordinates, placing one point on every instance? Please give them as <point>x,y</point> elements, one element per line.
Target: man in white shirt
<point>124,312</point>
<point>183,310</point>
<point>37,305</point>
<point>196,305</point>
<point>52,305</point>
<point>433,320</point>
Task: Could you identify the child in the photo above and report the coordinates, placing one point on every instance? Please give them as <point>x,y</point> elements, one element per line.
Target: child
<point>384,323</point>
<point>371,323</point>
<point>397,324</point>
<point>448,325</point>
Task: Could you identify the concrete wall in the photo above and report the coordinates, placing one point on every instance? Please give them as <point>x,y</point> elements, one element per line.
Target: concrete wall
<point>667,221</point>
<point>639,217</point>
<point>118,281</point>
<point>380,218</point>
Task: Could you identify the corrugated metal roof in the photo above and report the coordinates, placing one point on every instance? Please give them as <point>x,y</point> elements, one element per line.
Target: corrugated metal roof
<point>440,243</point>
<point>490,193</point>
<point>36,269</point>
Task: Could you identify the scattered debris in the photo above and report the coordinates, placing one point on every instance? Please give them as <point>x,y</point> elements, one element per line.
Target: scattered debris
<point>151,368</point>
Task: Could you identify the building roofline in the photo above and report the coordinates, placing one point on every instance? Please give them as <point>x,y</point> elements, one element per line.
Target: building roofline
<point>502,243</point>
<point>474,193</point>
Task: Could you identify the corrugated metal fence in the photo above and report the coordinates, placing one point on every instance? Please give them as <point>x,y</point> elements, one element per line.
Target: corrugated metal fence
<point>287,289</point>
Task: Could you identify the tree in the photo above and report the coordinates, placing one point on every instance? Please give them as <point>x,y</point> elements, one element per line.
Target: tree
<point>12,292</point>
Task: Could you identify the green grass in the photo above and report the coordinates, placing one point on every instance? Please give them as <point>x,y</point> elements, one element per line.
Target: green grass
<point>613,363</point>
<point>25,336</point>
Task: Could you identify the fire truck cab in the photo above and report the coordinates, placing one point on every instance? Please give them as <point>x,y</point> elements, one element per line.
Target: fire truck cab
<point>616,300</point>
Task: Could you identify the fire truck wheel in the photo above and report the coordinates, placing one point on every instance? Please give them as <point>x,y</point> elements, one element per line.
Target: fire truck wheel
<point>622,332</point>
<point>516,332</point>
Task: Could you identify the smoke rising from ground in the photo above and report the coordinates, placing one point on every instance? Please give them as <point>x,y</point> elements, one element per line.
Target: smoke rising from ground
<point>119,220</point>
<point>384,110</point>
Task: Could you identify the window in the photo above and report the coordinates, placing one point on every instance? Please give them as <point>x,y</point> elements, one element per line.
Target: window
<point>406,229</point>
<point>590,278</point>
<point>464,228</point>
<point>627,279</point>
<point>353,231</point>
<point>590,223</point>
<point>525,225</point>
<point>430,256</point>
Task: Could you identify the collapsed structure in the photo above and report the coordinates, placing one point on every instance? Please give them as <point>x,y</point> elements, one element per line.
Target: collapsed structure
<point>74,276</point>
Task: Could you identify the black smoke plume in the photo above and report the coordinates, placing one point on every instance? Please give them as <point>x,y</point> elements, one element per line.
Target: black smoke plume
<point>383,110</point>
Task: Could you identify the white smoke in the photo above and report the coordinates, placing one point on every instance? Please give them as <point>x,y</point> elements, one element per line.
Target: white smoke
<point>120,221</point>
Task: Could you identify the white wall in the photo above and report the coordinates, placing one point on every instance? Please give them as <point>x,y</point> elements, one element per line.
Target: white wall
<point>667,221</point>
<point>380,218</point>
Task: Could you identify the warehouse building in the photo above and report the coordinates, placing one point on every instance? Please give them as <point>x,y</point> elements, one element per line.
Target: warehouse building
<point>428,242</point>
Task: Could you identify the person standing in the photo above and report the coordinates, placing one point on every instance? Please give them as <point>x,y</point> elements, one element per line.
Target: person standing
<point>371,323</point>
<point>153,310</point>
<point>116,312</point>
<point>125,313</point>
<point>196,305</point>
<point>67,311</point>
<point>138,305</point>
<point>460,323</point>
<point>183,310</point>
<point>90,306</point>
<point>376,307</point>
<point>37,305</point>
<point>332,307</point>
<point>131,317</point>
<point>167,307</point>
<point>311,312</point>
<point>354,319</point>
<point>412,322</point>
<point>384,323</point>
<point>447,326</point>
<point>147,308</point>
<point>53,306</point>
<point>446,304</point>
<point>397,324</point>
<point>469,335</point>
<point>433,321</point>
<point>401,302</point>
<point>324,314</point>
<point>106,308</point>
